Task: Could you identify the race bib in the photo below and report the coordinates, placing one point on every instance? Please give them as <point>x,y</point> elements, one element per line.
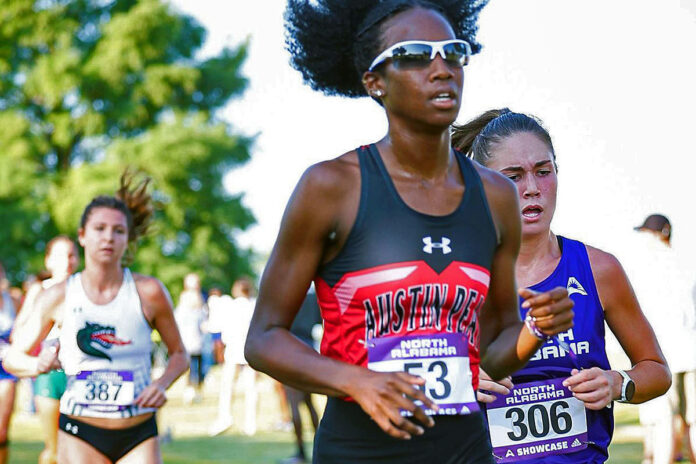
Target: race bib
<point>104,391</point>
<point>441,359</point>
<point>536,419</point>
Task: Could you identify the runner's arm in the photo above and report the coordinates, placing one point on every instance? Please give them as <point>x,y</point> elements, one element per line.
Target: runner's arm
<point>625,318</point>
<point>157,307</point>
<point>29,302</point>
<point>35,326</point>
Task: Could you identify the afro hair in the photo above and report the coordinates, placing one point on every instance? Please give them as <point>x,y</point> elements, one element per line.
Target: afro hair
<point>332,42</point>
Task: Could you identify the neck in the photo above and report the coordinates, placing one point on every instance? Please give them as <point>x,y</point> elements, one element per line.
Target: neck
<point>102,275</point>
<point>537,253</point>
<point>427,154</point>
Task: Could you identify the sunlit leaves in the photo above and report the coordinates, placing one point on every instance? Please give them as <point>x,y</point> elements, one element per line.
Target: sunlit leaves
<point>88,87</point>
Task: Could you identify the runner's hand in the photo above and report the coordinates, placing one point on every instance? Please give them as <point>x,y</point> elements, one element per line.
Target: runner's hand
<point>490,386</point>
<point>48,359</point>
<point>152,397</point>
<point>593,387</point>
<point>552,310</point>
<point>383,394</point>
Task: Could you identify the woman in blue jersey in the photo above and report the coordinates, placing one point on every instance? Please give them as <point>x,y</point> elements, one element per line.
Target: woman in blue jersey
<point>106,315</point>
<point>411,246</point>
<point>539,421</point>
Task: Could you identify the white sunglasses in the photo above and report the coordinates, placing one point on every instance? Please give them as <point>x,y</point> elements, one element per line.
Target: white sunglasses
<point>422,52</point>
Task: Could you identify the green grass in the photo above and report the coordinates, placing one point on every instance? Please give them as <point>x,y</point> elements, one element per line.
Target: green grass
<point>191,445</point>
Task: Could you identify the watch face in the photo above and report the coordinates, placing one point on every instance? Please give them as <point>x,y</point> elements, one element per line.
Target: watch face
<point>630,390</point>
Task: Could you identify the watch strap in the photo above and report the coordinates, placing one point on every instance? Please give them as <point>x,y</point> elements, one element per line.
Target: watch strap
<point>624,385</point>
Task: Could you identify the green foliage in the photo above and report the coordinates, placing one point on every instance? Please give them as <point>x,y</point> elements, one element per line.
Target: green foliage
<point>88,87</point>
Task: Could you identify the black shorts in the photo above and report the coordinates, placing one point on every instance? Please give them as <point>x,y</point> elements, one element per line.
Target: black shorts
<point>114,444</point>
<point>347,435</point>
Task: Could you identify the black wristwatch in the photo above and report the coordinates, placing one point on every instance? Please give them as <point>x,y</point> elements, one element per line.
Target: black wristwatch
<point>628,388</point>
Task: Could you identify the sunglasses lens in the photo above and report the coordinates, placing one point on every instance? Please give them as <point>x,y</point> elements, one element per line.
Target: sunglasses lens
<point>456,53</point>
<point>418,54</point>
<point>413,53</point>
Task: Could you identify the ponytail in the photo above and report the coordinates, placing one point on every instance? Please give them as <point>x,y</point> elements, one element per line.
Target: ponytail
<point>138,202</point>
<point>463,136</point>
<point>476,137</point>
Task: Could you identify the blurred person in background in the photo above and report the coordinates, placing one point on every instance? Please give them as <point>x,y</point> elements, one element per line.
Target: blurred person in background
<point>191,318</point>
<point>217,305</point>
<point>236,372</point>
<point>303,328</point>
<point>61,260</point>
<point>8,382</point>
<point>107,314</point>
<point>663,287</point>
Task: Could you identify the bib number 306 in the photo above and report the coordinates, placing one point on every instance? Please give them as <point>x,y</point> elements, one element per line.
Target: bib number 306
<point>539,421</point>
<point>536,419</point>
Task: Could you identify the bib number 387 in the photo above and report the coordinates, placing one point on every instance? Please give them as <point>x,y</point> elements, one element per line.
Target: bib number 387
<point>536,419</point>
<point>441,359</point>
<point>104,389</point>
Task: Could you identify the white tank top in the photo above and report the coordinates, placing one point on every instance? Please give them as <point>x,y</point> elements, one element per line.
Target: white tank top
<point>105,352</point>
<point>7,318</point>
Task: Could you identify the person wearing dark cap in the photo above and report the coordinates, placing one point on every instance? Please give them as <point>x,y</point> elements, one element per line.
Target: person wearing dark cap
<point>411,246</point>
<point>659,225</point>
<point>664,291</point>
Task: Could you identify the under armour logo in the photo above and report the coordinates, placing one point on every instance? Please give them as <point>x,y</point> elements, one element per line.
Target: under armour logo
<point>575,287</point>
<point>444,245</point>
<point>71,428</point>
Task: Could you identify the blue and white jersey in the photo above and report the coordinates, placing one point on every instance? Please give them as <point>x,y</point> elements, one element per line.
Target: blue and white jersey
<point>586,339</point>
<point>7,318</point>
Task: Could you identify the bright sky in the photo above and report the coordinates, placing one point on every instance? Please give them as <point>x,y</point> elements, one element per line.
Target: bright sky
<point>614,82</point>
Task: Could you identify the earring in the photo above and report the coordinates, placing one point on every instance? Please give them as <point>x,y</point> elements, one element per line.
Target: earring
<point>377,94</point>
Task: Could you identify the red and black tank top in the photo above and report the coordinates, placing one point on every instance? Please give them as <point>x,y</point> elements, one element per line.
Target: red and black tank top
<point>402,272</point>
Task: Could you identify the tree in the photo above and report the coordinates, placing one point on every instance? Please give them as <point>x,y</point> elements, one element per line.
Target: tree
<point>88,87</point>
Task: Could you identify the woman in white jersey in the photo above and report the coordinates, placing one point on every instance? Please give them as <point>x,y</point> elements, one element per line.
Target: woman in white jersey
<point>107,314</point>
<point>7,381</point>
<point>61,259</point>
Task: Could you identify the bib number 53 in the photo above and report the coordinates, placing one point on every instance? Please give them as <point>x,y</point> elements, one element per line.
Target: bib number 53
<point>440,388</point>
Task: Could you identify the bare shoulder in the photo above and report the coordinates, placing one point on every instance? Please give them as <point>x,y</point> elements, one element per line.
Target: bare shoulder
<point>151,289</point>
<point>323,206</point>
<point>52,296</point>
<point>47,302</point>
<point>332,178</point>
<point>605,267</point>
